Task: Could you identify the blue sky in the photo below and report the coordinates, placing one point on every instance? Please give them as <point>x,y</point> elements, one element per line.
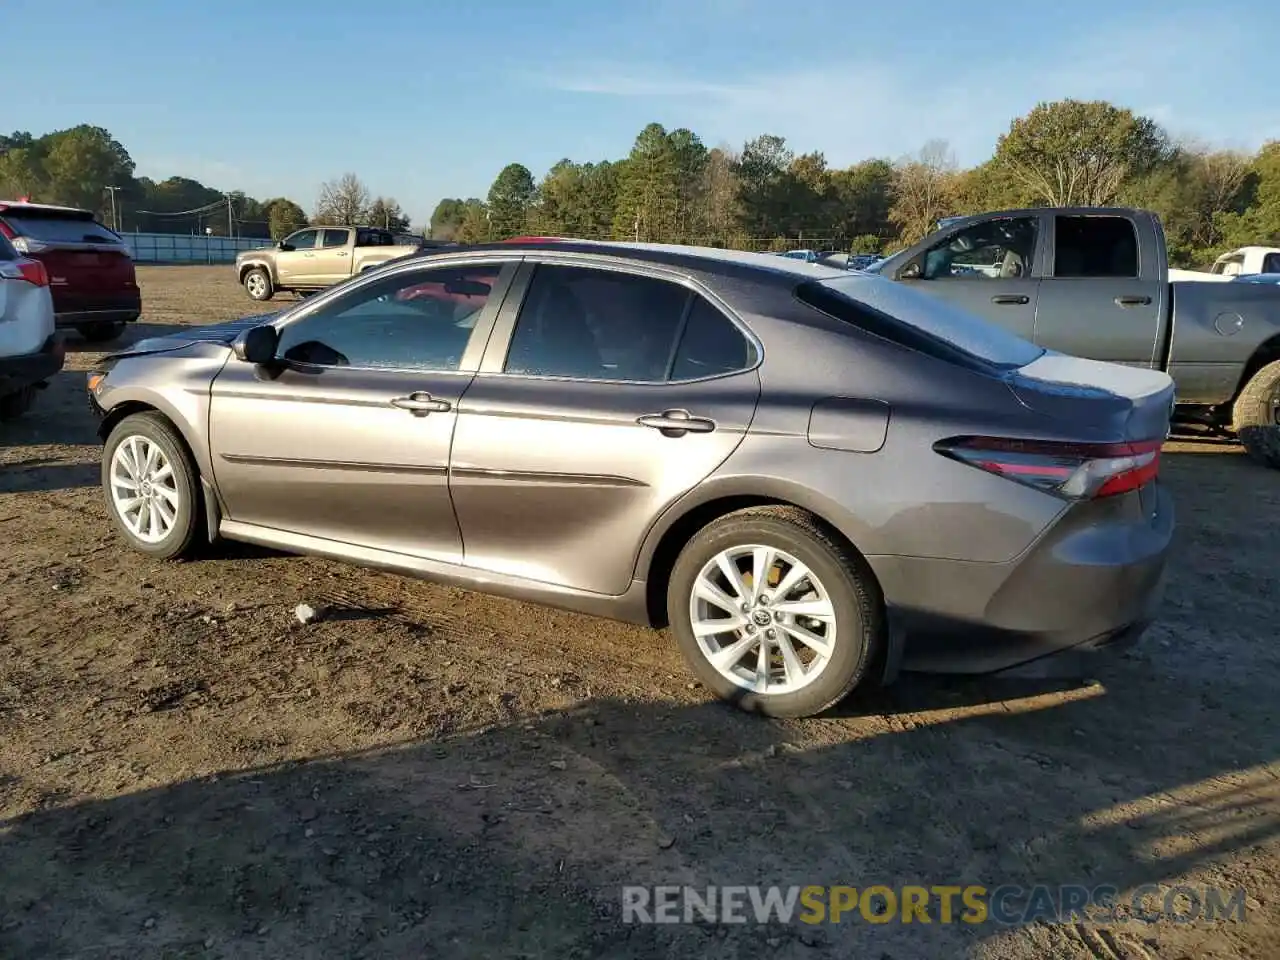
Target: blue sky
<point>430,98</point>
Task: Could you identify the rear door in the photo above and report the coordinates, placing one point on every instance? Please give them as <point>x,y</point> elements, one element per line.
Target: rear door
<point>347,439</point>
<point>1103,296</point>
<point>90,268</point>
<point>605,394</point>
<point>990,269</point>
<point>297,266</point>
<point>333,255</point>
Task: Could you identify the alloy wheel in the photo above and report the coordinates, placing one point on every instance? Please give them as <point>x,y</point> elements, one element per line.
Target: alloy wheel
<point>144,491</point>
<point>762,619</point>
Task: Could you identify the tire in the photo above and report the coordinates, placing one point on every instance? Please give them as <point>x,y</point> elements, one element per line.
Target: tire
<point>257,284</point>
<point>101,332</point>
<point>1254,417</point>
<point>152,430</point>
<point>14,405</point>
<point>852,595</point>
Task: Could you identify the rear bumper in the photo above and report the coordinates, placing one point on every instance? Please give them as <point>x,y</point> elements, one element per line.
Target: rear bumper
<point>31,368</point>
<point>1084,588</point>
<point>77,318</point>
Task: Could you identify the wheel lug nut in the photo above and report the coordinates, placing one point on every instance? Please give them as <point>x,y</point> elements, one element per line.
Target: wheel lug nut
<point>770,634</point>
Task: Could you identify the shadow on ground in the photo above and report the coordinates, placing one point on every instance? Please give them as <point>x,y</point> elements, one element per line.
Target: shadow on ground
<point>515,841</point>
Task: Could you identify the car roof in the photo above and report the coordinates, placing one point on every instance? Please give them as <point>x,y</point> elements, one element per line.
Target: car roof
<point>19,207</point>
<point>707,259</point>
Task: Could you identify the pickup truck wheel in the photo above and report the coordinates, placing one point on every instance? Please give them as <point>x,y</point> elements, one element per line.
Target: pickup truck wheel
<point>1256,416</point>
<point>257,283</point>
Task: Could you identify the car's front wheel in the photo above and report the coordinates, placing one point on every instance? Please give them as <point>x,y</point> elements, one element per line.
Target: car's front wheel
<point>774,613</point>
<point>150,486</point>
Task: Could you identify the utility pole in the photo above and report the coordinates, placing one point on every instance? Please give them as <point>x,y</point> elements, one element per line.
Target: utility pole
<point>115,216</point>
<point>229,224</point>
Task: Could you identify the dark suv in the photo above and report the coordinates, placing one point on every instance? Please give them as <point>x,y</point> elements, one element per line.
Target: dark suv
<point>91,272</point>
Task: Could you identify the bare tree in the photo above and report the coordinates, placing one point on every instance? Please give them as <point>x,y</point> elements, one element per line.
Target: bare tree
<point>344,201</point>
<point>921,190</point>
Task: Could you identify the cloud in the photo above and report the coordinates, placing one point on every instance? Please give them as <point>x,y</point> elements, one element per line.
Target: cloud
<point>868,108</point>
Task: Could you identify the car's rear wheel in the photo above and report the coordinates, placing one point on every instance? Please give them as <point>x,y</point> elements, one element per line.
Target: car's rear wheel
<point>257,283</point>
<point>1256,416</point>
<point>149,483</point>
<point>101,332</point>
<point>774,613</point>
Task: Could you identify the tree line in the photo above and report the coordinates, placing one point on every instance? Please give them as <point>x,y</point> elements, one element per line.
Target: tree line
<point>85,166</point>
<point>672,188</point>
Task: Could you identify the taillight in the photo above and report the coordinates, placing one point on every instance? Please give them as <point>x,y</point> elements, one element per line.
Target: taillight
<point>1078,471</point>
<point>32,271</point>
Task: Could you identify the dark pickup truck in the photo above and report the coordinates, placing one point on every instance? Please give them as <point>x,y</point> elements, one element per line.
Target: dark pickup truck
<point>1094,282</point>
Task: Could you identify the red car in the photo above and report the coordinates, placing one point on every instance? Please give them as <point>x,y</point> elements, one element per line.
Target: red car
<point>91,272</point>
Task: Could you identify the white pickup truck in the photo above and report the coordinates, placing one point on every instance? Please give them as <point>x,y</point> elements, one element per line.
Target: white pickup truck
<point>1243,261</point>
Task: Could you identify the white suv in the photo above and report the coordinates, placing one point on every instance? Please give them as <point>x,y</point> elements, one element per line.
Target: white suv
<point>30,351</point>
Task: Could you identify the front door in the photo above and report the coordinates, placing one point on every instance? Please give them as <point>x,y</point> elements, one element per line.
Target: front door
<point>616,394</point>
<point>1099,300</point>
<point>297,266</point>
<point>347,437</point>
<point>989,269</point>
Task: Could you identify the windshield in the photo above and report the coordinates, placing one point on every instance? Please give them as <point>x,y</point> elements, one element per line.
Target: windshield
<point>933,317</point>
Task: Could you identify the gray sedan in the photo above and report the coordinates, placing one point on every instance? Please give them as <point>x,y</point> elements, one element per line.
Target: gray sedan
<point>814,478</point>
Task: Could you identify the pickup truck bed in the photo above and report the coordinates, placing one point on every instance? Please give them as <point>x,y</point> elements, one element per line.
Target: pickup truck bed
<point>1094,282</point>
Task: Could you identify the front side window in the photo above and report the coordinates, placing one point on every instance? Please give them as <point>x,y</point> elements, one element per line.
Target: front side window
<point>410,321</point>
<point>302,240</point>
<point>999,249</point>
<point>592,324</point>
<point>334,238</point>
<point>1271,263</point>
<point>1095,247</point>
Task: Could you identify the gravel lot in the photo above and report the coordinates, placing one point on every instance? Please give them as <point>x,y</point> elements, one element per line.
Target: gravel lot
<point>186,771</point>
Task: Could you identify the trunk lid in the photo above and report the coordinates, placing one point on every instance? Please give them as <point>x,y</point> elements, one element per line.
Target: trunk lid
<point>1108,402</point>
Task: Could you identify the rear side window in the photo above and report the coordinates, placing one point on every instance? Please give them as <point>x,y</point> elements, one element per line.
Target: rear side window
<point>333,238</point>
<point>1095,247</point>
<point>1271,263</point>
<point>59,229</point>
<point>918,321</point>
<point>710,345</point>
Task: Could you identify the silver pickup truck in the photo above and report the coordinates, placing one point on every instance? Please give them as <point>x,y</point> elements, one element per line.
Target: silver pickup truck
<point>1094,282</point>
<point>317,257</point>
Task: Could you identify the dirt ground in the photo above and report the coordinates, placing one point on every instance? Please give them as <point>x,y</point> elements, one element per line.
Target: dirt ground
<point>187,771</point>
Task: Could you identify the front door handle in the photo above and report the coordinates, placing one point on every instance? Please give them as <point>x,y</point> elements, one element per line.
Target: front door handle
<point>1005,298</point>
<point>676,423</point>
<point>343,254</point>
<point>1132,301</point>
<point>420,403</point>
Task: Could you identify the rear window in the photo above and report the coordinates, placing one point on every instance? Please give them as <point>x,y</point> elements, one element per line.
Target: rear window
<point>918,321</point>
<point>60,229</point>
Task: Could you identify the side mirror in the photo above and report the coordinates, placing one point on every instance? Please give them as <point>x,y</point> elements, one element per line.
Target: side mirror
<point>284,245</point>
<point>258,345</point>
<point>911,271</point>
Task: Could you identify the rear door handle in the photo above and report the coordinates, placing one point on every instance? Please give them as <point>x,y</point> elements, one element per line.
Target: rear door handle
<point>1005,298</point>
<point>343,254</point>
<point>420,403</point>
<point>1132,301</point>
<point>676,423</point>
